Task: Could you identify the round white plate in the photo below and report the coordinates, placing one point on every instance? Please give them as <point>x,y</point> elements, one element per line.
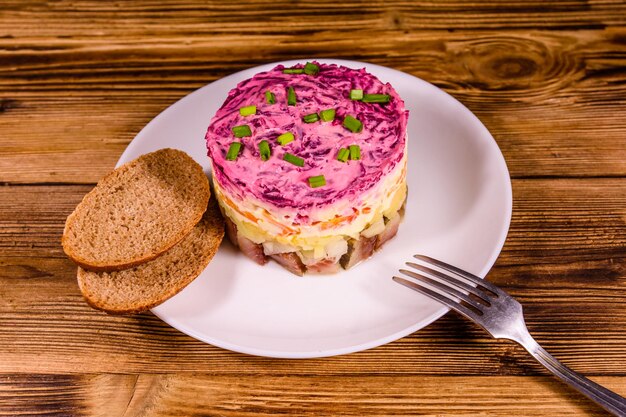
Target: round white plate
<point>458,210</point>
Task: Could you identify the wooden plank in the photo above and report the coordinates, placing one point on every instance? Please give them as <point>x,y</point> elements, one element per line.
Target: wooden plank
<point>564,220</point>
<point>45,326</point>
<point>65,395</point>
<point>210,395</point>
<point>69,106</point>
<point>144,18</point>
<point>564,260</point>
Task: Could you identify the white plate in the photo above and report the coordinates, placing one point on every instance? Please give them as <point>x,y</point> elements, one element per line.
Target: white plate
<point>458,209</point>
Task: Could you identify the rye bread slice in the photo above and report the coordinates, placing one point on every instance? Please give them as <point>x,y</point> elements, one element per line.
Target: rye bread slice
<point>137,212</point>
<point>145,286</point>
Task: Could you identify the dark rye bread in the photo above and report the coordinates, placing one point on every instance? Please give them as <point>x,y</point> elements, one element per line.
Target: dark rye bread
<point>137,212</point>
<point>145,286</point>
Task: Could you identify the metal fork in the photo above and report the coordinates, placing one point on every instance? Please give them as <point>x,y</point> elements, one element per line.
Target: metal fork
<point>501,316</point>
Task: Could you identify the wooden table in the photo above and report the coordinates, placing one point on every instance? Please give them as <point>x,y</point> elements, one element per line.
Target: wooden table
<point>78,80</point>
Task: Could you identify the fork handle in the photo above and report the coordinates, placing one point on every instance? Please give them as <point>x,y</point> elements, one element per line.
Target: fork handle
<point>606,398</point>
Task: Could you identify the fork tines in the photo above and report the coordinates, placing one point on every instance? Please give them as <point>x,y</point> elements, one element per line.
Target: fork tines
<point>451,286</point>
<point>464,274</point>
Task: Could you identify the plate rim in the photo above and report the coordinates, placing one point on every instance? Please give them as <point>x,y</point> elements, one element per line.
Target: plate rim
<point>495,253</point>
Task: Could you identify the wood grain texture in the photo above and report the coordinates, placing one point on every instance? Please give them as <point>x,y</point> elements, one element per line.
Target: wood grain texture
<point>228,396</point>
<point>564,260</point>
<point>547,97</point>
<point>79,79</point>
<point>190,18</point>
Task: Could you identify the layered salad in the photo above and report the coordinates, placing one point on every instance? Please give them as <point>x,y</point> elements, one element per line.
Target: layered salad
<point>309,165</point>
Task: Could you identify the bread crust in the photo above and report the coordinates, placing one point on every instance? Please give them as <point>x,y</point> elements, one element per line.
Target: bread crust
<point>137,289</point>
<point>158,165</point>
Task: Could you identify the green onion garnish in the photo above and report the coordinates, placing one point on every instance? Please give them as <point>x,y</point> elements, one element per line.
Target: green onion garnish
<point>317,181</point>
<point>233,151</point>
<point>311,69</point>
<point>356,94</point>
<point>291,96</point>
<point>355,152</point>
<point>352,124</point>
<point>285,138</point>
<point>270,97</point>
<point>327,115</point>
<point>264,150</point>
<point>311,118</point>
<point>293,159</point>
<point>247,111</point>
<point>343,154</point>
<point>376,98</point>
<point>293,70</point>
<point>242,131</point>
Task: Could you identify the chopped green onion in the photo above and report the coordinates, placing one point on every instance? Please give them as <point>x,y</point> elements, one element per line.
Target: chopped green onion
<point>247,111</point>
<point>355,152</point>
<point>311,69</point>
<point>293,70</point>
<point>233,151</point>
<point>352,124</point>
<point>317,181</point>
<point>343,154</point>
<point>285,138</point>
<point>311,118</point>
<point>376,98</point>
<point>270,97</point>
<point>293,159</point>
<point>291,96</point>
<point>356,94</point>
<point>327,115</point>
<point>264,150</point>
<point>242,131</point>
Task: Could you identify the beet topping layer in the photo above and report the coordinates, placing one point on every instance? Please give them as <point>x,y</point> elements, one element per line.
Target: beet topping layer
<point>282,183</point>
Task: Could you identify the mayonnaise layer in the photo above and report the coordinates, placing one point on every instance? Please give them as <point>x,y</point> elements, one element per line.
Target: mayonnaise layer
<point>344,220</point>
